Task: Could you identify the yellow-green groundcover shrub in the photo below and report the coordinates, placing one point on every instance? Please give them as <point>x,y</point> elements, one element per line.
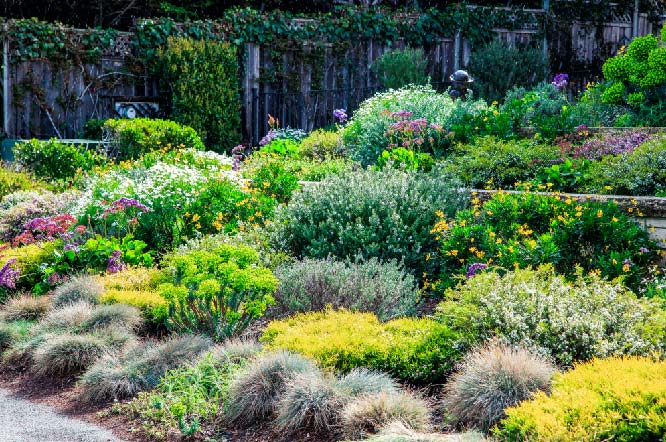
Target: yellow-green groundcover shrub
<point>615,399</point>
<point>414,349</point>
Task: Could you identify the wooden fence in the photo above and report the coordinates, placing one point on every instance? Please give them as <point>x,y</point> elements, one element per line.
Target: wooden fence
<point>43,100</point>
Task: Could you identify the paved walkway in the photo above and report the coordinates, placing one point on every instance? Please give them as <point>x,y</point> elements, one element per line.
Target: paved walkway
<point>25,421</point>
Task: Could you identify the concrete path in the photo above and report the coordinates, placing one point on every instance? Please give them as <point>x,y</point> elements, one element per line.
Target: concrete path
<point>24,421</point>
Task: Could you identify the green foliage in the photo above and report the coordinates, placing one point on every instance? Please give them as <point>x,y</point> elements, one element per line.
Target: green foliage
<point>283,146</point>
<point>570,321</point>
<point>521,230</point>
<point>544,108</point>
<point>202,79</point>
<point>304,169</point>
<point>417,350</point>
<point>272,180</point>
<point>640,172</point>
<point>638,79</point>
<point>402,158</point>
<point>94,129</point>
<point>616,398</point>
<point>312,285</point>
<point>489,162</point>
<point>188,400</point>
<point>12,181</point>
<point>569,176</point>
<point>218,292</point>
<point>518,66</point>
<point>491,379</point>
<point>321,144</point>
<point>369,214</point>
<point>55,160</point>
<point>133,138</point>
<point>398,68</point>
<point>153,306</point>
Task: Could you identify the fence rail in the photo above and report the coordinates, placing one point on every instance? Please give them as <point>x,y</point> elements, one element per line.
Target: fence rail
<point>43,100</point>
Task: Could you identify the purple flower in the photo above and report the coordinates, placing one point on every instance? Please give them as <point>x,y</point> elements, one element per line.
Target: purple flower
<point>55,278</point>
<point>237,153</point>
<point>627,262</point>
<point>340,115</point>
<point>69,247</point>
<point>8,275</point>
<point>115,263</point>
<point>596,148</point>
<point>270,136</point>
<point>560,80</point>
<point>644,250</point>
<point>473,269</point>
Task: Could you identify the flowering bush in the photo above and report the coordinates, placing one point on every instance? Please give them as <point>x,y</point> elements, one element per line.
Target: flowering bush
<point>569,321</point>
<point>12,181</point>
<point>545,108</point>
<point>217,293</point>
<point>286,133</point>
<point>369,214</point>
<point>414,349</point>
<point>520,230</point>
<point>597,147</point>
<point>302,168</point>
<point>614,398</point>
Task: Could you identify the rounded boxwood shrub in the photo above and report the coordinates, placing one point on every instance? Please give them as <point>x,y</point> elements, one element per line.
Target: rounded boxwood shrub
<point>606,399</point>
<point>314,284</point>
<point>418,350</point>
<point>569,321</point>
<point>55,160</point>
<point>369,214</point>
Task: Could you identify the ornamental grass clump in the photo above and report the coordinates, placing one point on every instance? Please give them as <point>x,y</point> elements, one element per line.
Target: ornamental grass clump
<point>360,381</point>
<point>256,390</point>
<point>606,399</point>
<point>569,321</point>
<point>369,214</point>
<point>399,432</point>
<point>78,288</point>
<point>115,315</point>
<point>139,368</point>
<point>25,307</point>
<point>313,284</point>
<point>67,355</point>
<point>368,414</point>
<point>490,380</point>
<point>310,402</point>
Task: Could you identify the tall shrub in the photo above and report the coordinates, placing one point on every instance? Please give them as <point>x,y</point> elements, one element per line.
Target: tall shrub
<point>202,79</point>
<point>398,68</point>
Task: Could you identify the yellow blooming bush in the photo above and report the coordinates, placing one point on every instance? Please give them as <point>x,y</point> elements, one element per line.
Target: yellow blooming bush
<point>153,306</point>
<point>521,230</point>
<point>409,348</point>
<point>619,399</point>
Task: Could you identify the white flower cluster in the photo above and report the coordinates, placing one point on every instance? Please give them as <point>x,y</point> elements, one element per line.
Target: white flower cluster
<point>162,184</point>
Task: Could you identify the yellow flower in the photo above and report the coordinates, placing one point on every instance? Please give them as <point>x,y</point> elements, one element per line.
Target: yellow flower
<point>427,257</point>
<point>625,268</point>
<point>614,219</point>
<point>195,218</point>
<point>607,187</point>
<point>579,214</point>
<point>454,252</point>
<point>600,213</point>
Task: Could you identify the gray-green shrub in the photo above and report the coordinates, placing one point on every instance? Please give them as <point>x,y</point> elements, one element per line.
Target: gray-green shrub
<point>360,381</point>
<point>491,379</point>
<point>67,355</point>
<point>570,321</point>
<point>368,214</point>
<point>312,284</point>
<point>113,315</point>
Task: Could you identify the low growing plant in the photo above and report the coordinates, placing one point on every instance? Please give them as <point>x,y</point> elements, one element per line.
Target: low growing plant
<point>217,293</point>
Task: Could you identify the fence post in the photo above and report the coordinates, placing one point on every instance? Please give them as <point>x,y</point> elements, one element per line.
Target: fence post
<point>546,6</point>
<point>456,51</point>
<point>5,80</point>
<point>250,83</point>
<point>634,21</point>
